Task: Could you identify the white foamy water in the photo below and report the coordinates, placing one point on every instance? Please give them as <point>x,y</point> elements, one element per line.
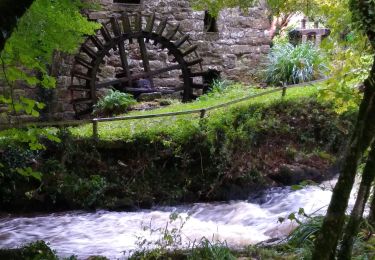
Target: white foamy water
<point>109,234</point>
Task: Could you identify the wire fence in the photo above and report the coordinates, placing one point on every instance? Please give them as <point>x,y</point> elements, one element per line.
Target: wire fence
<point>202,111</point>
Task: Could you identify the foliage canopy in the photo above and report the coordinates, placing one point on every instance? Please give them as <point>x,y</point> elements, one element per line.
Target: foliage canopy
<point>47,26</point>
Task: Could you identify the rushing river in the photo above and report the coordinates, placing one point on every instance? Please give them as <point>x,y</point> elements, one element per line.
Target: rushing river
<point>111,234</point>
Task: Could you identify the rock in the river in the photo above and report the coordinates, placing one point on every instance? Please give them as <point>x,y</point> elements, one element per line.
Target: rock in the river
<point>295,174</point>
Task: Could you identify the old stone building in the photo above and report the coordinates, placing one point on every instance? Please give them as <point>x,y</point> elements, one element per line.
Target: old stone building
<point>235,43</point>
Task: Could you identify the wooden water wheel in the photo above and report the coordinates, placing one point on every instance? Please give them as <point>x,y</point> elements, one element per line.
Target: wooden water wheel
<point>134,34</point>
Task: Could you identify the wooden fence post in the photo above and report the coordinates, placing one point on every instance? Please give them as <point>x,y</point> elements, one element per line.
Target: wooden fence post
<point>203,113</point>
<point>95,133</point>
<point>284,90</point>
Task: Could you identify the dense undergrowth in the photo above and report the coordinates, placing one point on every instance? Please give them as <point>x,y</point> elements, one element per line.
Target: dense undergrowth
<point>261,142</point>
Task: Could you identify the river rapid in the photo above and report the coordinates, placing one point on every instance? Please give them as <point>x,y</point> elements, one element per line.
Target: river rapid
<point>115,234</point>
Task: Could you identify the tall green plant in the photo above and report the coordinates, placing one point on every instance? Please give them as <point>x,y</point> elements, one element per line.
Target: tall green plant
<point>294,64</point>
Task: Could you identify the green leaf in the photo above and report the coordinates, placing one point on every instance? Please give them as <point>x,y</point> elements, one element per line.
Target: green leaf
<point>296,187</point>
<point>292,216</point>
<point>28,172</point>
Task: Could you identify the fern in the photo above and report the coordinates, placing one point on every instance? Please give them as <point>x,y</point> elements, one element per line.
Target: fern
<point>115,102</point>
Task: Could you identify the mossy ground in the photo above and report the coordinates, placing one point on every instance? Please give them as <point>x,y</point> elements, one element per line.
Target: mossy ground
<point>180,128</point>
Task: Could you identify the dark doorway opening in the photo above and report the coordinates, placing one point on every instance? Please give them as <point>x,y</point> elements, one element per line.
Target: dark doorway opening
<point>210,23</point>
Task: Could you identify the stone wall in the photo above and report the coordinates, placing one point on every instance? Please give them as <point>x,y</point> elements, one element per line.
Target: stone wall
<point>239,49</point>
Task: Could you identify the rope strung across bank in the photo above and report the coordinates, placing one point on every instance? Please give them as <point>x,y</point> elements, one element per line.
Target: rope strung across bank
<point>202,111</point>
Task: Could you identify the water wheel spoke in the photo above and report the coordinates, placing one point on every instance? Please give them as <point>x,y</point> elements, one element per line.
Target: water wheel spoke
<point>161,27</point>
<point>87,50</point>
<point>115,26</point>
<point>124,63</point>
<point>150,23</point>
<point>98,44</point>
<point>137,76</point>
<point>82,101</point>
<point>145,60</point>
<point>172,32</point>
<point>78,88</point>
<point>105,32</point>
<point>191,49</point>
<point>181,41</point>
<point>83,62</point>
<point>194,62</point>
<point>138,22</point>
<point>126,27</point>
<point>122,52</point>
<point>81,75</point>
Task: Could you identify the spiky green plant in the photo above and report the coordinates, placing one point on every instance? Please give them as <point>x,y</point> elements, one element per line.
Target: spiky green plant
<point>211,250</point>
<point>304,235</point>
<point>295,64</point>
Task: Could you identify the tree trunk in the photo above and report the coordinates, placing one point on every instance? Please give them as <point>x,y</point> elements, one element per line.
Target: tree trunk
<point>326,242</point>
<point>278,23</point>
<point>352,227</point>
<point>371,216</point>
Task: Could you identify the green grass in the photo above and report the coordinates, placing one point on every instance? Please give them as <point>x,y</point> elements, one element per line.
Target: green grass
<point>179,128</point>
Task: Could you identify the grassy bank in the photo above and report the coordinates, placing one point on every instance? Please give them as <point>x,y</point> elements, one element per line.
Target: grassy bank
<point>249,146</point>
<point>180,127</point>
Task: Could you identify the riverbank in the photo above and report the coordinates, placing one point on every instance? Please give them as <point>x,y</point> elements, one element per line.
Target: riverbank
<point>264,142</point>
<point>200,231</point>
<point>164,229</point>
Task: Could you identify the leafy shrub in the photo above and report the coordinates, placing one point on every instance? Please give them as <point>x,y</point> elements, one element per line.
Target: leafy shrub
<point>84,192</point>
<point>37,250</point>
<point>218,89</point>
<point>364,243</point>
<point>169,239</point>
<point>115,102</point>
<point>220,85</point>
<point>294,64</point>
<point>16,162</point>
